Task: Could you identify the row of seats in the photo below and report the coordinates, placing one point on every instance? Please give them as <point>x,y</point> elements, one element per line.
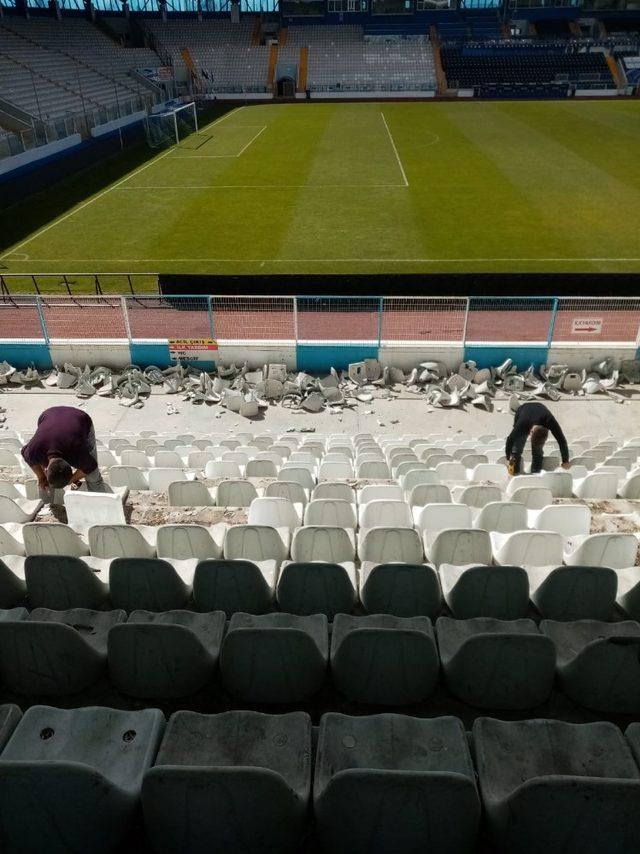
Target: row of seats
<point>284,658</point>
<point>73,780</point>
<point>302,587</point>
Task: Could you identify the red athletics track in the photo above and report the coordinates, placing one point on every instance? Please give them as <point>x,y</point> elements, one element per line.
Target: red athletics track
<point>103,318</point>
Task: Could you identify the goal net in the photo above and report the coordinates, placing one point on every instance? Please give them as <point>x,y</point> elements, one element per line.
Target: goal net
<point>172,126</point>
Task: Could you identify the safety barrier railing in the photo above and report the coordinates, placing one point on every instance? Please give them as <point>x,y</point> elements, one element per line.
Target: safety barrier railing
<point>309,320</point>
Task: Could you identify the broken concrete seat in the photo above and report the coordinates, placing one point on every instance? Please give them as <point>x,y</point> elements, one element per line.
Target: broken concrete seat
<point>598,663</point>
<point>41,539</point>
<point>331,512</point>
<point>185,545</point>
<point>240,778</point>
<point>569,520</point>
<point>550,787</point>
<point>458,546</point>
<point>70,779</point>
<point>433,518</point>
<point>275,512</point>
<point>496,664</point>
<point>428,493</point>
<point>317,586</point>
<point>18,510</point>
<point>383,659</point>
<point>500,592</point>
<point>325,543</point>
<point>334,491</point>
<point>373,470</point>
<point>416,476</point>
<point>290,490</point>
<point>234,585</point>
<point>85,509</point>
<point>172,654</point>
<point>596,485</point>
<point>573,592</point>
<point>385,544</point>
<point>400,589</point>
<point>476,496</point>
<point>298,474</point>
<point>60,582</point>
<point>503,517</point>
<point>274,658</point>
<point>149,584</point>
<point>110,541</point>
<point>396,783</point>
<point>216,469</point>
<point>190,493</point>
<point>131,477</point>
<point>630,489</point>
<point>55,653</point>
<point>527,548</point>
<point>379,492</point>
<point>392,514</point>
<point>614,550</point>
<point>489,472</point>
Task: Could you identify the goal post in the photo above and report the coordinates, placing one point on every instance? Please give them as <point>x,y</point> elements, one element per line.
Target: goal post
<point>172,126</point>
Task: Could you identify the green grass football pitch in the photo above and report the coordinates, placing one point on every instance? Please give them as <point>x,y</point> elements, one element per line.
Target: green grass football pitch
<point>354,188</point>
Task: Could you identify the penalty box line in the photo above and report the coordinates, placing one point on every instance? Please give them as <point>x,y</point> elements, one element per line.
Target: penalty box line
<point>177,156</point>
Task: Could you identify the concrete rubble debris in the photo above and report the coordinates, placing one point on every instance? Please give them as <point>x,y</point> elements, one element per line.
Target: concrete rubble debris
<point>249,391</point>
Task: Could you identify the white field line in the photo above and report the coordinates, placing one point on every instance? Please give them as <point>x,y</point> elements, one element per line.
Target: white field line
<point>325,260</point>
<point>252,140</point>
<point>264,186</point>
<point>104,192</point>
<point>395,151</point>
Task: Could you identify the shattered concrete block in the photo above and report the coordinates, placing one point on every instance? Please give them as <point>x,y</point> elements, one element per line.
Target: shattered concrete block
<point>396,375</point>
<point>456,383</point>
<point>373,369</point>
<point>358,372</point>
<point>277,372</point>
<point>604,368</point>
<point>513,382</point>
<point>572,381</point>
<point>313,402</point>
<point>629,370</point>
<point>248,407</point>
<point>484,375</point>
<point>333,395</point>
<point>468,370</point>
<point>253,377</point>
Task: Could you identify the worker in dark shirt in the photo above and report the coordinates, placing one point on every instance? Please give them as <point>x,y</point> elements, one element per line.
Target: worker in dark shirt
<point>534,420</point>
<point>64,440</point>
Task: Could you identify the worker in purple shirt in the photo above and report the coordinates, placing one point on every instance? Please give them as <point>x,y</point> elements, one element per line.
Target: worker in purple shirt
<point>64,440</point>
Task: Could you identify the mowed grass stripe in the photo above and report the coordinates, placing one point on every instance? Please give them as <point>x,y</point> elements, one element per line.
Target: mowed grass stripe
<point>492,186</point>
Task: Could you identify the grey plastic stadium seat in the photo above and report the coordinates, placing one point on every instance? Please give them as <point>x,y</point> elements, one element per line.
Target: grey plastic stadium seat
<point>237,782</point>
<point>330,490</point>
<point>111,541</point>
<point>381,545</point>
<point>13,587</point>
<point>615,550</point>
<point>317,587</point>
<point>60,582</point>
<point>10,715</point>
<point>573,592</point>
<point>190,542</point>
<point>496,664</point>
<point>274,658</point>
<point>53,540</point>
<point>70,779</point>
<point>459,546</point>
<point>477,496</point>
<point>550,787</point>
<point>55,653</point>
<point>173,654</point>
<point>383,659</point>
<point>401,589</point>
<point>235,493</point>
<point>148,584</point>
<point>234,585</point>
<point>293,491</point>
<point>189,493</point>
<point>501,592</point>
<point>393,783</point>
<point>598,663</point>
<point>322,542</point>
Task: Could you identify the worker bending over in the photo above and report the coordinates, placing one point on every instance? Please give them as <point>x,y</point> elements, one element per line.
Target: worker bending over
<point>535,420</point>
<point>64,440</point>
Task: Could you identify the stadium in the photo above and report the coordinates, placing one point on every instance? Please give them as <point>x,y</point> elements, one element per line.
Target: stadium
<point>319,426</point>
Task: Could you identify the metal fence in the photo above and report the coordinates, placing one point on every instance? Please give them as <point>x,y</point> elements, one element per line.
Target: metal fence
<point>312,320</point>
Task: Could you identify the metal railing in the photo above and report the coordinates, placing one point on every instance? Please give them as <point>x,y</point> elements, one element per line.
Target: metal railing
<point>309,320</point>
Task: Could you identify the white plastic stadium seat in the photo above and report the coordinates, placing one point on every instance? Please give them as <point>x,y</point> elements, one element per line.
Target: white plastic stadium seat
<point>527,548</point>
<point>615,550</point>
